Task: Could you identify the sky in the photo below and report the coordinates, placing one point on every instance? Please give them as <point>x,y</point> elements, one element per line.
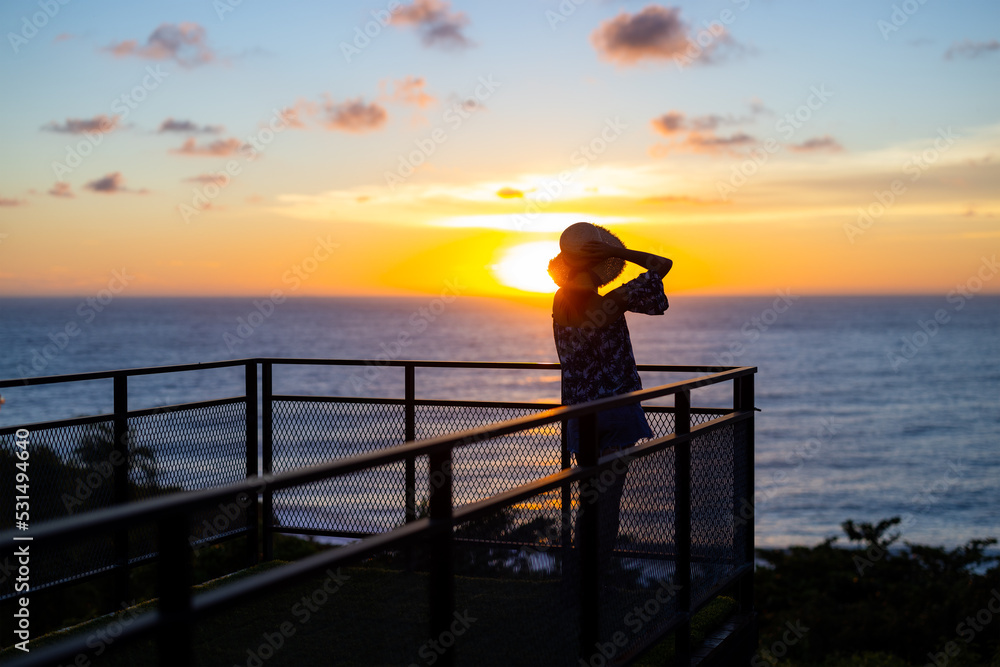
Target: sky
<point>226,147</point>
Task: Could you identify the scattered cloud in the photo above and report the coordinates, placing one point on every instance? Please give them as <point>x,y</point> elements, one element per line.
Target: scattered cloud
<point>100,123</point>
<point>816,144</point>
<point>184,43</point>
<point>437,24</point>
<point>171,125</point>
<point>675,122</point>
<point>970,49</point>
<point>111,184</point>
<point>510,193</point>
<point>62,189</point>
<point>63,37</point>
<point>355,116</point>
<point>710,143</point>
<point>411,91</point>
<point>658,33</point>
<point>219,148</point>
<point>670,123</point>
<point>214,179</point>
<point>655,33</point>
<point>4,201</point>
<point>294,115</point>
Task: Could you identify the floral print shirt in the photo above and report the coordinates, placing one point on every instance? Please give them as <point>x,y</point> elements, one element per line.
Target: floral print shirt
<point>597,361</point>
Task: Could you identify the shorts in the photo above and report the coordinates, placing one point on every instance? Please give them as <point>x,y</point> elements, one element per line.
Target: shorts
<point>617,428</point>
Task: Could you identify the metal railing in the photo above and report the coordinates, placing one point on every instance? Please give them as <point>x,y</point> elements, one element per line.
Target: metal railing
<point>705,534</point>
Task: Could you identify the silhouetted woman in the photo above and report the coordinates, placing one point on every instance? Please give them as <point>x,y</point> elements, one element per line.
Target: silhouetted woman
<point>595,351</point>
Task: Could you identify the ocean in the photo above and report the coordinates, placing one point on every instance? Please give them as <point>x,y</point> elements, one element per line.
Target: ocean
<point>871,407</point>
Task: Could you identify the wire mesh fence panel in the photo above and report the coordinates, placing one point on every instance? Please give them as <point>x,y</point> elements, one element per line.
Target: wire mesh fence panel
<point>714,552</point>
<point>515,585</point>
<point>182,450</point>
<point>490,466</point>
<point>639,579</point>
<point>70,470</point>
<point>311,432</point>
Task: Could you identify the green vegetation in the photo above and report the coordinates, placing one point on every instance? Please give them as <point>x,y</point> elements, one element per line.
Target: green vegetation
<point>878,605</point>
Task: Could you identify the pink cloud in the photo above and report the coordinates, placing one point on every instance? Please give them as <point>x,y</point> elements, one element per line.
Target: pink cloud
<point>62,189</point>
<point>655,33</point>
<point>411,91</point>
<point>658,33</point>
<point>183,43</point>
<point>171,125</point>
<point>824,143</point>
<point>219,148</point>
<point>12,202</point>
<point>355,116</point>
<point>100,123</point>
<point>111,184</point>
<point>435,21</point>
<point>670,123</point>
<point>215,179</point>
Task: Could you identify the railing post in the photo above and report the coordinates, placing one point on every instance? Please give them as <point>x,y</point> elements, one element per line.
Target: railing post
<point>682,527</point>
<point>744,400</point>
<point>175,576</point>
<point>410,434</point>
<point>589,540</point>
<point>267,447</point>
<point>251,460</point>
<point>442,582</point>
<point>121,475</point>
<point>566,531</point>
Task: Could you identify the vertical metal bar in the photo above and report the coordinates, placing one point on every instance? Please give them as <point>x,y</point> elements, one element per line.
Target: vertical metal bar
<point>175,576</point>
<point>267,452</point>
<point>251,460</point>
<point>120,492</point>
<point>747,512</point>
<point>410,420</point>
<point>567,497</point>
<point>682,527</point>
<point>442,581</point>
<point>589,539</point>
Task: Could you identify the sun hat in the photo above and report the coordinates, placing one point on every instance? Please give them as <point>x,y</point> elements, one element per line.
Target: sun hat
<point>563,266</point>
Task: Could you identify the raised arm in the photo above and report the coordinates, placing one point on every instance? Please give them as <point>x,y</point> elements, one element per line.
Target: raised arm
<point>598,250</point>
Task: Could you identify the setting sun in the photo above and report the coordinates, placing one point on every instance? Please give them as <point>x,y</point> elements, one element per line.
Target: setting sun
<point>525,267</point>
